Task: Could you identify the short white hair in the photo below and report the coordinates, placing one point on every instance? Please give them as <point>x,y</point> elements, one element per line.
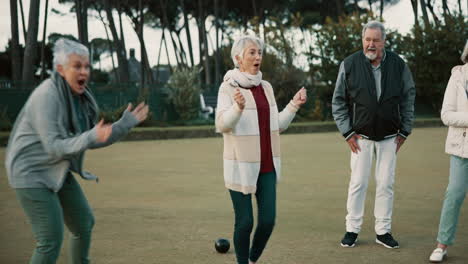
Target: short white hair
<point>63,48</point>
<point>240,44</point>
<point>464,56</point>
<point>374,25</point>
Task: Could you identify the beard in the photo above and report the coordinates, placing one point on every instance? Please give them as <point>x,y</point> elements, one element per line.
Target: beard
<point>371,55</point>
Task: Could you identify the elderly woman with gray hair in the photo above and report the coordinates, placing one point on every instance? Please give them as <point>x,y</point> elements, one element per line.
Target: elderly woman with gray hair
<point>248,117</point>
<point>46,149</point>
<point>454,114</point>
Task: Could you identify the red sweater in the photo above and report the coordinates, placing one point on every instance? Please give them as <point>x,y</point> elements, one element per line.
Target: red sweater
<point>263,112</point>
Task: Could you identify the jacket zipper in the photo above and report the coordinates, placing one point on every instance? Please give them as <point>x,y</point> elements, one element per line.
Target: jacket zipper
<point>354,113</point>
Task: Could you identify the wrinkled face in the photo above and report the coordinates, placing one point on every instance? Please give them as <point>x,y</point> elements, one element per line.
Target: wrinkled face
<point>251,59</point>
<point>373,44</point>
<point>75,72</point>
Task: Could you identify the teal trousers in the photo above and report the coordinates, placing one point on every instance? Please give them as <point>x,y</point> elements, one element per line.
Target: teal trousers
<point>47,213</point>
<point>454,196</point>
<point>266,203</point>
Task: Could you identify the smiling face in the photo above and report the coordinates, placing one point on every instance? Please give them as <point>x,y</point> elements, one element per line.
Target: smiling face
<point>251,59</point>
<point>75,72</point>
<point>373,44</point>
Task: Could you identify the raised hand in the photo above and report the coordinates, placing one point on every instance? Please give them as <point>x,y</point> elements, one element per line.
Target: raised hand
<point>140,112</point>
<point>103,131</point>
<point>300,97</point>
<point>239,98</point>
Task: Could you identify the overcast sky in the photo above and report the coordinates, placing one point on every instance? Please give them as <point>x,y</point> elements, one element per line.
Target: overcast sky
<point>398,17</point>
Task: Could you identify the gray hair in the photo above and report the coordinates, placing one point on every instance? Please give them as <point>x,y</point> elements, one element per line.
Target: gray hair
<point>464,56</point>
<point>374,25</point>
<point>63,48</point>
<point>240,44</point>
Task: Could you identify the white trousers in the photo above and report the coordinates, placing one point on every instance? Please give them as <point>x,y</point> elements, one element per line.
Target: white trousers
<point>361,164</point>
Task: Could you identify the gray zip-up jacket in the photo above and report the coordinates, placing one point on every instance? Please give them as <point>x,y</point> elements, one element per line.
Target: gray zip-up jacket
<point>46,137</point>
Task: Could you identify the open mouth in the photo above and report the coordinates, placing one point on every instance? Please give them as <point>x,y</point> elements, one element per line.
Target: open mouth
<point>257,65</point>
<point>81,82</point>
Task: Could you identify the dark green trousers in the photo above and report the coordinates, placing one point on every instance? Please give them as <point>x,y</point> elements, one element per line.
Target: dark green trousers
<point>47,212</point>
<point>266,203</point>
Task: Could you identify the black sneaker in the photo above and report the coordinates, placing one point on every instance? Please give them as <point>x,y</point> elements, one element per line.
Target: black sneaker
<point>349,239</point>
<point>387,241</point>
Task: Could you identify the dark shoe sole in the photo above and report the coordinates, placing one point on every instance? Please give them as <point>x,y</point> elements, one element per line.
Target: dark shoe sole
<point>385,245</point>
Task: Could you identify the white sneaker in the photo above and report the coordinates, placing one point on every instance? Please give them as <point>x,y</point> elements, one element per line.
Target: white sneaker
<point>438,255</point>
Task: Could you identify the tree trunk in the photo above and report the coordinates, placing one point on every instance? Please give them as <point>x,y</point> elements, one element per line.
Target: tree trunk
<point>200,43</point>
<point>460,7</point>
<point>22,20</point>
<point>381,8</point>
<point>183,52</point>
<point>370,5</point>
<point>424,12</point>
<point>180,50</point>
<point>167,50</point>
<point>176,50</point>
<point>145,61</point>
<point>109,43</point>
<point>166,22</point>
<point>121,57</point>
<point>44,40</point>
<point>122,36</point>
<point>254,6</point>
<point>207,58</point>
<point>431,8</point>
<point>445,8</point>
<point>145,66</point>
<point>30,51</point>
<point>139,31</point>
<point>15,48</point>
<point>414,4</point>
<point>81,7</point>
<point>159,57</point>
<point>217,54</point>
<point>202,32</point>
<point>187,32</point>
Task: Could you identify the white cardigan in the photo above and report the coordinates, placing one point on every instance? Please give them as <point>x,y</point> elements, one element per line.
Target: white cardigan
<point>241,155</point>
<point>454,112</point>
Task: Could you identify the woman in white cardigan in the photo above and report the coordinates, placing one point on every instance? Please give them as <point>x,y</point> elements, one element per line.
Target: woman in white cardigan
<point>248,117</point>
<point>454,115</point>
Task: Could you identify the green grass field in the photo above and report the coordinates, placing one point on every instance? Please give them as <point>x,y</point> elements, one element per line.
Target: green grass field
<point>165,202</point>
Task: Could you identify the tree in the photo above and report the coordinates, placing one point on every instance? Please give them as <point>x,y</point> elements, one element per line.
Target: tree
<point>414,5</point>
<point>137,16</point>
<point>43,69</point>
<point>22,19</point>
<point>99,9</point>
<point>15,48</point>
<point>30,52</point>
<point>431,52</point>
<point>121,53</point>
<point>203,43</point>
<point>81,9</point>
<point>187,31</point>
<point>424,12</point>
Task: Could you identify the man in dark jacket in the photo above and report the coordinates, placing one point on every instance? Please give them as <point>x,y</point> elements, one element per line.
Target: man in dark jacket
<point>373,107</point>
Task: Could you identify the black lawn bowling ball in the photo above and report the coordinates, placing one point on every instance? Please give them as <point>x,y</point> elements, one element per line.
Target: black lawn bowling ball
<point>222,245</point>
